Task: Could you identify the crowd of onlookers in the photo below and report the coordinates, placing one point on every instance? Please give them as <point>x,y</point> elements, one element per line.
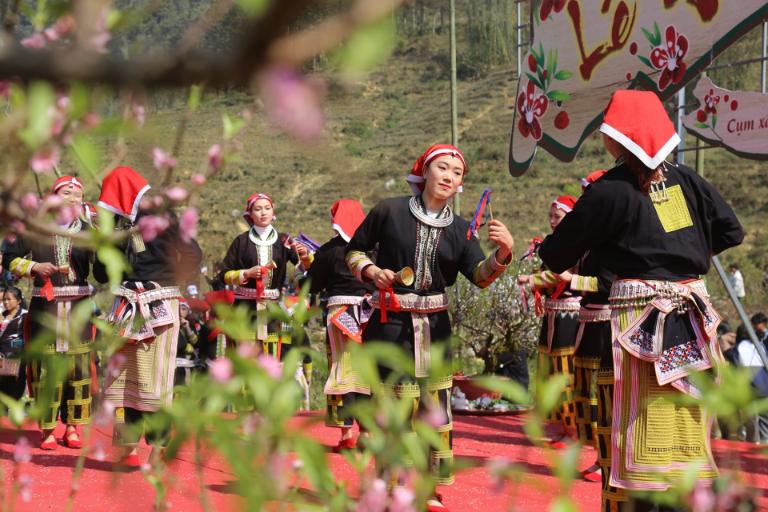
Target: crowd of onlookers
<point>740,351</point>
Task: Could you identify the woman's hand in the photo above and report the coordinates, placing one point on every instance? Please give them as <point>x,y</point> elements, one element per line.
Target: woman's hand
<point>500,235</point>
<point>524,279</point>
<point>253,273</point>
<point>566,276</point>
<point>382,278</point>
<point>301,250</point>
<point>44,269</point>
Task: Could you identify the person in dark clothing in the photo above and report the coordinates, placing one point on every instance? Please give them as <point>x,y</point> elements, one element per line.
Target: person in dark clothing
<point>655,225</point>
<point>145,310</point>
<point>345,317</point>
<point>13,371</point>
<point>59,268</point>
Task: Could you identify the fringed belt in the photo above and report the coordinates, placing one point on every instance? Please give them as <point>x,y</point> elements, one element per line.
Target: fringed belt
<point>350,300</point>
<point>567,304</point>
<point>675,329</point>
<point>419,306</point>
<point>66,292</point>
<point>63,295</point>
<point>138,312</point>
<point>595,313</point>
<point>243,293</point>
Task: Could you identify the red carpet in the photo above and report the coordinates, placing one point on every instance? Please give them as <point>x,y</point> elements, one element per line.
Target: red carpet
<point>476,438</point>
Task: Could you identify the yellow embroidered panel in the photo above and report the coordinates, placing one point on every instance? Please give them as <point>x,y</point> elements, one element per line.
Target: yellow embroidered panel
<point>673,213</point>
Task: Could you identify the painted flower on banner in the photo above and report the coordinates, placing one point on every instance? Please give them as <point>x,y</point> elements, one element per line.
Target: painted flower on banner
<point>710,102</point>
<point>547,6</point>
<point>668,57</point>
<point>530,107</point>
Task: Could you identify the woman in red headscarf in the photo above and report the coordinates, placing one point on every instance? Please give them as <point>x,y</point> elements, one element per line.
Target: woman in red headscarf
<point>655,225</point>
<point>422,233</point>
<point>60,268</point>
<point>344,318</point>
<point>145,311</point>
<point>558,329</point>
<point>255,267</point>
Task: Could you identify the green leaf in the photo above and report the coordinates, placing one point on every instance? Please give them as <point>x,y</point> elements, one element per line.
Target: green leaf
<point>534,80</point>
<point>39,102</point>
<point>87,154</point>
<point>253,7</point>
<point>550,66</point>
<point>508,388</point>
<point>115,262</point>
<point>367,47</point>
<point>195,95</point>
<point>657,34</point>
<point>714,121</point>
<point>563,504</point>
<point>79,97</point>
<point>645,61</point>
<point>558,95</point>
<point>549,393</point>
<point>701,125</point>
<point>563,74</point>
<point>648,36</point>
<point>231,126</point>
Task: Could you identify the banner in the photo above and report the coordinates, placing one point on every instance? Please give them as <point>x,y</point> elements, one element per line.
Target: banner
<point>583,50</point>
<point>735,120</point>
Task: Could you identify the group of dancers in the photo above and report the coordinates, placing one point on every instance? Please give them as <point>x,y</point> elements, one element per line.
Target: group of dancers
<point>626,311</point>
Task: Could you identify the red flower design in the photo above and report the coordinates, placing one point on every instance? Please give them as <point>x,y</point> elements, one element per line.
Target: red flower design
<point>710,102</point>
<point>547,6</point>
<point>530,107</point>
<point>669,57</point>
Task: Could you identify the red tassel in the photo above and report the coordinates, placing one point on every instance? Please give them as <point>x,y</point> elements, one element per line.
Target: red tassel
<point>559,289</point>
<point>537,303</point>
<point>387,300</point>
<point>47,290</point>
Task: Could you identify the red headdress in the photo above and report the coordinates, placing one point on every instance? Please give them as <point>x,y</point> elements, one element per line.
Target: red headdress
<point>416,177</point>
<point>591,178</point>
<point>637,120</point>
<point>249,204</point>
<point>346,215</point>
<point>65,181</point>
<point>121,192</point>
<point>565,203</point>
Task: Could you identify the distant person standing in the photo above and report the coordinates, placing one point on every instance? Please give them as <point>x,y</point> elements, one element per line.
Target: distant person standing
<point>737,282</point>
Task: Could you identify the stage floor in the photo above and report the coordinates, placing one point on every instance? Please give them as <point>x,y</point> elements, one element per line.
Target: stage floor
<point>477,438</point>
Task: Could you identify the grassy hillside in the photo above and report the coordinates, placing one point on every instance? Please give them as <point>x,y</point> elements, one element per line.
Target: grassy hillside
<point>379,124</point>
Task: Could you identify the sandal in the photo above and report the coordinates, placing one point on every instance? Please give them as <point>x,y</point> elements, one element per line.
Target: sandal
<point>70,441</point>
<point>48,442</point>
<point>130,462</point>
<point>593,473</point>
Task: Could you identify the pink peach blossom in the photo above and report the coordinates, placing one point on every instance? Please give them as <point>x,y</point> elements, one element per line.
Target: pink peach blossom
<point>29,202</point>
<point>35,41</point>
<point>115,365</point>
<point>214,157</point>
<point>270,365</point>
<point>188,223</point>
<point>139,113</point>
<point>162,160</point>
<point>198,179</point>
<point>247,350</point>
<point>402,500</point>
<point>221,369</point>
<point>22,450</point>
<point>375,498</point>
<point>292,103</point>
<point>44,160</point>
<point>151,226</point>
<point>177,194</point>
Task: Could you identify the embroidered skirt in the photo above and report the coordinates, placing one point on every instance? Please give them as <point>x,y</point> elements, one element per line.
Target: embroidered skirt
<point>145,378</point>
<point>420,321</point>
<point>654,437</point>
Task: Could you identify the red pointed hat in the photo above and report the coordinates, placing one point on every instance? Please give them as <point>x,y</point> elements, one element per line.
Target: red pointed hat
<point>565,203</point>
<point>591,178</point>
<point>65,181</point>
<point>121,192</point>
<point>249,204</point>
<point>346,216</point>
<point>637,120</point>
<point>416,178</point>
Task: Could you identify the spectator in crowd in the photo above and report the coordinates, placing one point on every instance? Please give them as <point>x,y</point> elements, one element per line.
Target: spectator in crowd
<point>727,339</point>
<point>13,372</point>
<point>737,282</point>
<point>748,356</point>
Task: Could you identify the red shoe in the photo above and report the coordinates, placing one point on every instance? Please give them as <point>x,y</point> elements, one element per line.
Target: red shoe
<point>49,443</point>
<point>593,473</point>
<point>70,442</point>
<point>345,444</point>
<point>129,462</point>
<point>557,444</point>
<point>439,507</point>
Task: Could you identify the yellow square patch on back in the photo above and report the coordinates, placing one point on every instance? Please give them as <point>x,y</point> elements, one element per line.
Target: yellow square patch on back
<point>673,213</point>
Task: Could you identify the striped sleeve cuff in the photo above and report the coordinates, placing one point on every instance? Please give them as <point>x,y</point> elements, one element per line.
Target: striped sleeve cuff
<point>235,277</point>
<point>488,270</point>
<point>357,261</point>
<point>22,267</point>
<point>545,279</point>
<point>584,283</point>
